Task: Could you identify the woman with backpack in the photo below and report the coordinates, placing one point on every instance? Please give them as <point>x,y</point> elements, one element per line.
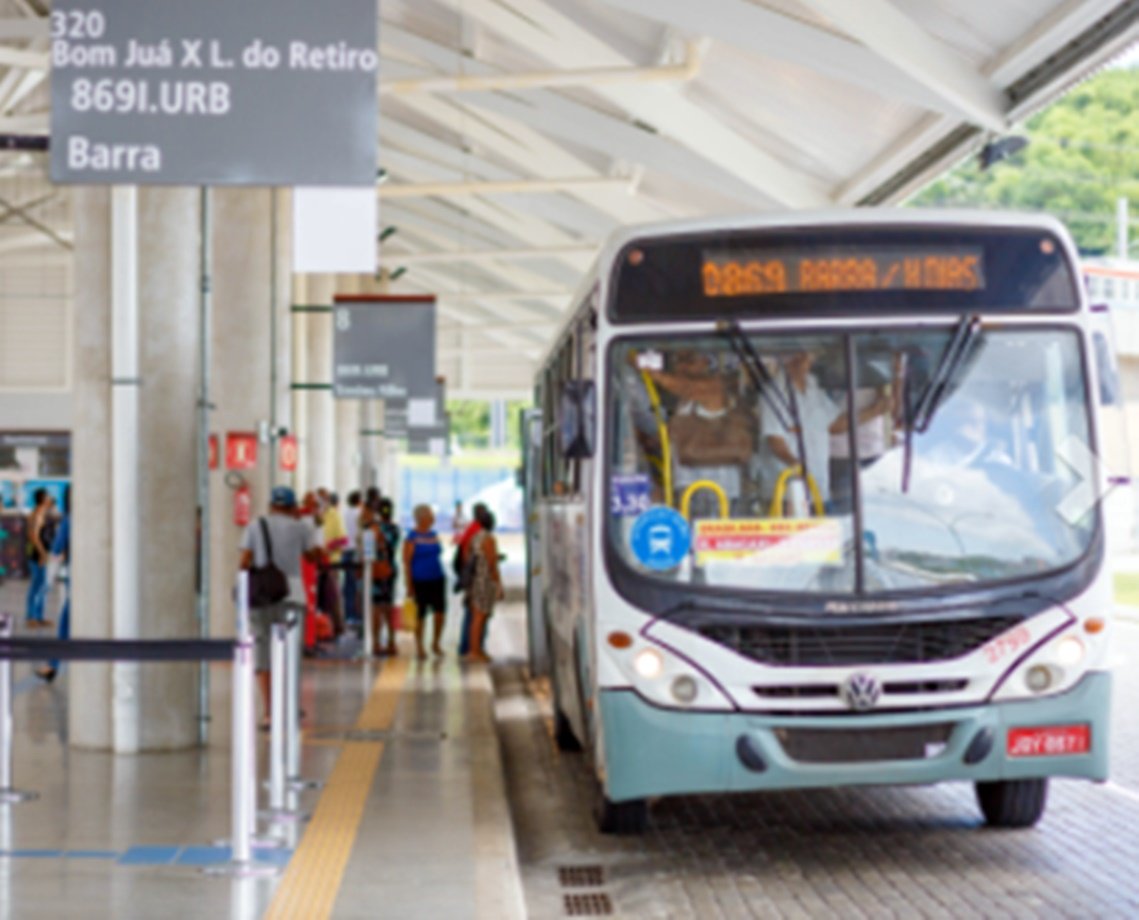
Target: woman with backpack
<point>485,585</point>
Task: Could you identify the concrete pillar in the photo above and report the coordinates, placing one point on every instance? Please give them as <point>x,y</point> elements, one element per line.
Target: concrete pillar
<point>298,324</point>
<point>348,457</point>
<point>281,347</point>
<point>320,290</point>
<point>167,259</point>
<point>242,356</point>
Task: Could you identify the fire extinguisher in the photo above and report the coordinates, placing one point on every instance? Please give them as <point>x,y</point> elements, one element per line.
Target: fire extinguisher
<point>242,506</point>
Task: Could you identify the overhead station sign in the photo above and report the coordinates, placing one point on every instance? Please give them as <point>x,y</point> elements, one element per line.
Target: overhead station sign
<point>214,92</point>
<point>383,347</point>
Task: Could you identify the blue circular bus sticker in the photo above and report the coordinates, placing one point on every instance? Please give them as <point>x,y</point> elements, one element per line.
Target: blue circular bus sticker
<point>660,538</point>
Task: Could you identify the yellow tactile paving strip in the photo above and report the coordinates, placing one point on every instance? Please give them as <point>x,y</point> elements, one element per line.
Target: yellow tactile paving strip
<point>312,882</point>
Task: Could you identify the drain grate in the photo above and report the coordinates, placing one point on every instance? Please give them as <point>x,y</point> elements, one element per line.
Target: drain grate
<point>591,904</point>
<point>581,876</point>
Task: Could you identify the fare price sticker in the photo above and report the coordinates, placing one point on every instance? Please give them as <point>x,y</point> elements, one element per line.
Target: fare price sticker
<point>260,92</point>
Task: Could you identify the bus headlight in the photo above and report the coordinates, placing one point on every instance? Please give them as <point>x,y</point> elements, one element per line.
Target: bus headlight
<point>649,663</point>
<point>1069,651</point>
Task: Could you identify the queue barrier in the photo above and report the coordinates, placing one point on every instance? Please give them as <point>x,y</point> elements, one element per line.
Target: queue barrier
<point>284,752</point>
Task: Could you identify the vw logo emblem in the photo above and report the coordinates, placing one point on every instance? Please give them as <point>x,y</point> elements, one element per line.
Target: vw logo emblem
<point>861,691</point>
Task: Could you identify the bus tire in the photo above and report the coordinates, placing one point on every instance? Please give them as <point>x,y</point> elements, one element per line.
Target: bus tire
<point>1012,802</point>
<point>624,818</point>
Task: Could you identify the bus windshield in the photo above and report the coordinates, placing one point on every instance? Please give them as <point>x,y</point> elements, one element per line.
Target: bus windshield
<point>748,461</point>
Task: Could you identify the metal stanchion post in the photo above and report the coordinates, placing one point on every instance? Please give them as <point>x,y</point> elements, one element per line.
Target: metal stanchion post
<point>292,713</point>
<point>278,810</point>
<point>243,779</point>
<point>8,795</point>
<point>369,636</point>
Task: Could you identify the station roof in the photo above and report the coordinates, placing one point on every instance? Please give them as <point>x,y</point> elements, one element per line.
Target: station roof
<point>515,135</point>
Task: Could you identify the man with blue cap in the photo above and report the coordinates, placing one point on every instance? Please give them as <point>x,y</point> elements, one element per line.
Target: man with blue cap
<point>283,538</point>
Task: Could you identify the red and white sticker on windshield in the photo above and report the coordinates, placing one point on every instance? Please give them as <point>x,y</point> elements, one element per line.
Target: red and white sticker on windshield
<point>1049,741</point>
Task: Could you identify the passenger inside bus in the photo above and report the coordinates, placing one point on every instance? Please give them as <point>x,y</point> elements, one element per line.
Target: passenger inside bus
<point>711,436</point>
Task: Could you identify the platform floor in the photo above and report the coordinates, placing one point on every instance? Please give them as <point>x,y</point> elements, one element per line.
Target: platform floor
<point>412,821</point>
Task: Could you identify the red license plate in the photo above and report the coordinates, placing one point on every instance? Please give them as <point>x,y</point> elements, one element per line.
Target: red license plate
<point>1049,741</point>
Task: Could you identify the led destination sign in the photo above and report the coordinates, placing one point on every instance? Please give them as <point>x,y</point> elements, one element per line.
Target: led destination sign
<point>841,269</point>
<point>750,274</point>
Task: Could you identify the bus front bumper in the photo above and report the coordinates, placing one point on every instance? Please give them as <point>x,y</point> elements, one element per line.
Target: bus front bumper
<point>651,751</point>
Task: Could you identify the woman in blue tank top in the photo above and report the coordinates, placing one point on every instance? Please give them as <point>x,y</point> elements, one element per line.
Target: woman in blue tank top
<point>423,565</point>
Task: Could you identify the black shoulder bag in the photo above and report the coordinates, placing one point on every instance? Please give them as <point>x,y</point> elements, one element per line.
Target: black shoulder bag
<point>268,585</point>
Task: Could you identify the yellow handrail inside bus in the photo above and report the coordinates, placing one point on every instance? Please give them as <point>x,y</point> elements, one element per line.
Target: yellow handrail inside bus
<point>686,498</point>
<point>662,432</point>
<point>794,472</point>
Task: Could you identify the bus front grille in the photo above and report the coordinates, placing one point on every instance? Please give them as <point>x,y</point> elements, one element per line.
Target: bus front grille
<point>879,643</point>
<point>907,742</point>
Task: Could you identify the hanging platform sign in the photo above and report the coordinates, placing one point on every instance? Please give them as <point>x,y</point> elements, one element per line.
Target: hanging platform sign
<point>261,92</point>
<point>383,347</point>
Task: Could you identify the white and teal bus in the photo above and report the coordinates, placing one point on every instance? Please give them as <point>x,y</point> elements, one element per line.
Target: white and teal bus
<point>818,506</point>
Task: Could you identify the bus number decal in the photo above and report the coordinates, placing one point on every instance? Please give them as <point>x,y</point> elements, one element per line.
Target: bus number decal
<point>630,495</point>
<point>1008,644</point>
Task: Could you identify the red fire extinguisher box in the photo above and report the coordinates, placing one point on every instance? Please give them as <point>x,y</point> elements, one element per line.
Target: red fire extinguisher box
<point>242,506</point>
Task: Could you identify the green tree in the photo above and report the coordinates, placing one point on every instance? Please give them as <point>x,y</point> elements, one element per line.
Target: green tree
<point>1083,154</point>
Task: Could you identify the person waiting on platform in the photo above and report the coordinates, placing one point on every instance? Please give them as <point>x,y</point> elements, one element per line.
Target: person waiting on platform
<point>284,539</point>
<point>39,540</point>
<point>485,588</point>
<point>423,563</point>
<point>384,573</point>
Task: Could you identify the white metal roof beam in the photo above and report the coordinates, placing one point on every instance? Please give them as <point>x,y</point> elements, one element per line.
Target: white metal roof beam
<point>512,187</point>
<point>509,275</point>
<point>23,58</point>
<point>542,30</point>
<point>889,32</point>
<point>569,120</point>
<point>532,153</point>
<point>542,79</point>
<point>494,255</point>
<point>23,28</point>
<point>767,33</point>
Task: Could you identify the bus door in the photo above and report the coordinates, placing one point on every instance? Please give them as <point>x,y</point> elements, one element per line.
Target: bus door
<point>531,422</point>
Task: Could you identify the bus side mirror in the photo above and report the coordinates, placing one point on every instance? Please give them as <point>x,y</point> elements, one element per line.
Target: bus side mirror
<point>1107,370</point>
<point>577,419</point>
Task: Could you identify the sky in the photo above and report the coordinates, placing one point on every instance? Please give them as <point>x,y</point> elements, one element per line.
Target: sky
<point>1129,58</point>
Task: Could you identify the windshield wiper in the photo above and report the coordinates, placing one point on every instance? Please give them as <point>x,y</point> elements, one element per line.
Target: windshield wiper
<point>784,406</point>
<point>761,378</point>
<point>956,351</point>
<point>918,417</point>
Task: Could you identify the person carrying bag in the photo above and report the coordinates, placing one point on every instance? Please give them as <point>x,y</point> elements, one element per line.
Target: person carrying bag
<point>268,585</point>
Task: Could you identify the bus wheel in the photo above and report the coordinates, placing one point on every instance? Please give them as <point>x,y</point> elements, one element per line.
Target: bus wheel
<point>621,817</point>
<point>564,737</point>
<point>1012,802</point>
